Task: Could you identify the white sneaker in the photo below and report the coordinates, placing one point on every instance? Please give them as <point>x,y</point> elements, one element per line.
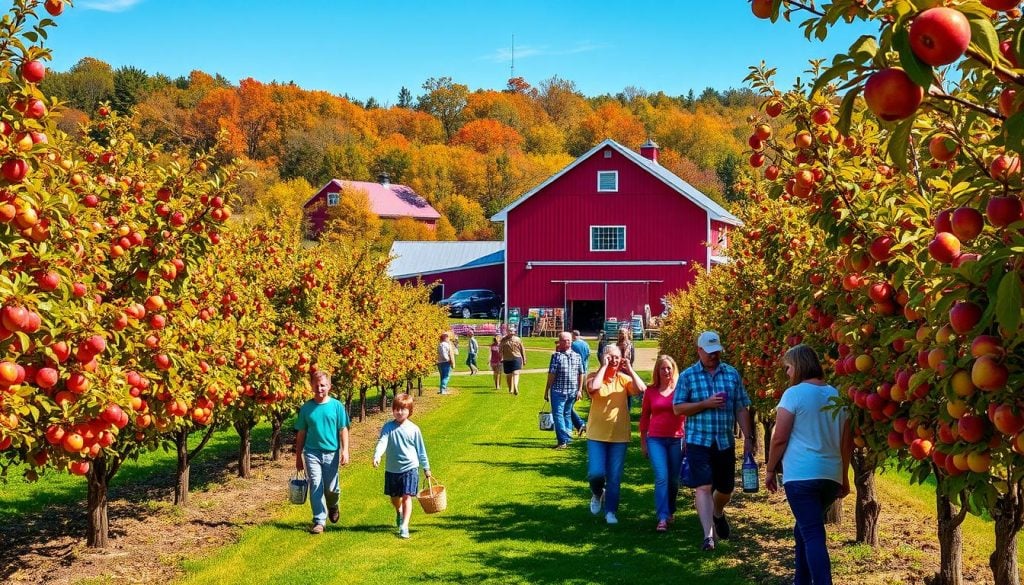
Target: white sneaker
<point>610,518</point>
<point>595,505</point>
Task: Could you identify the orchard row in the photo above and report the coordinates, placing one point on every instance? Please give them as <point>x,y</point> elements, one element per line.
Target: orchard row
<point>133,313</point>
<point>886,233</point>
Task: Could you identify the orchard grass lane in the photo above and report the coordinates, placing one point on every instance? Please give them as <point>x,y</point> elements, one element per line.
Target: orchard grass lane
<point>517,514</point>
<point>500,516</point>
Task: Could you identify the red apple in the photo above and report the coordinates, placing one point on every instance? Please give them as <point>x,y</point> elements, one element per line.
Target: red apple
<point>892,95</point>
<point>1007,421</point>
<point>988,374</point>
<point>939,36</point>
<point>1001,5</point>
<point>971,428</point>
<point>944,247</point>
<point>881,248</point>
<point>967,223</point>
<point>14,170</point>
<point>964,316</point>
<point>920,449</point>
<point>1003,167</point>
<point>33,71</point>
<point>943,148</point>
<point>983,345</point>
<point>1002,211</point>
<point>54,7</point>
<point>761,8</point>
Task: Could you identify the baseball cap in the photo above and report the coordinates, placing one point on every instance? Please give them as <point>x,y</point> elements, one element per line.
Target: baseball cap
<point>709,342</point>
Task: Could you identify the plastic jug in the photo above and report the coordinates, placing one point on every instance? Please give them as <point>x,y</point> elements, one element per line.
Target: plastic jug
<point>750,476</point>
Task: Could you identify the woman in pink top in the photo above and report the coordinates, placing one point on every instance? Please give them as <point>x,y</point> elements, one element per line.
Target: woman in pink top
<point>661,436</point>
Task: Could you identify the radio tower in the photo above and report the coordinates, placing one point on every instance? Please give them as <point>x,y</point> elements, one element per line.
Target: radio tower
<point>512,72</point>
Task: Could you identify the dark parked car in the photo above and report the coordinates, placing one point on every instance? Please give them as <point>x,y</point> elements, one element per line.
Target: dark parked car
<point>475,301</point>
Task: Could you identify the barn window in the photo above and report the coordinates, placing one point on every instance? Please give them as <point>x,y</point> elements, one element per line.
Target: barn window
<point>333,198</point>
<point>608,181</point>
<point>607,238</point>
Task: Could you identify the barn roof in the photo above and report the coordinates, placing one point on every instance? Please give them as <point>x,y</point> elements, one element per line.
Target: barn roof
<point>715,211</point>
<point>387,199</point>
<point>418,258</point>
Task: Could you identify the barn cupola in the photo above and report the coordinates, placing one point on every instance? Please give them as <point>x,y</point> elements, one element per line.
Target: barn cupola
<point>384,179</point>
<point>649,150</point>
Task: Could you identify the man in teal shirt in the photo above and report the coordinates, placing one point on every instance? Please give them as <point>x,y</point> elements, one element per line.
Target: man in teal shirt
<point>321,444</point>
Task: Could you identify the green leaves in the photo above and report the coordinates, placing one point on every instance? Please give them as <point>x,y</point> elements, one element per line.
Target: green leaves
<point>899,143</point>
<point>983,34</point>
<point>1008,302</point>
<point>920,72</point>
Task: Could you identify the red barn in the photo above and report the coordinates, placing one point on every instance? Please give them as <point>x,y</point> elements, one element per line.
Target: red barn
<point>610,233</point>
<point>388,201</point>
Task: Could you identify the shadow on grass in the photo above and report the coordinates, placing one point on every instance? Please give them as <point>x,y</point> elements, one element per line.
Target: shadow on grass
<point>37,519</point>
<point>631,548</point>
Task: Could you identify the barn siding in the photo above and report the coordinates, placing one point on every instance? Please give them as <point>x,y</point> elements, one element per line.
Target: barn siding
<point>489,277</point>
<point>553,225</point>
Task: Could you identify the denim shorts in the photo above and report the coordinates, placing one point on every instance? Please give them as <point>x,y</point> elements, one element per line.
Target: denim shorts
<point>712,466</point>
<point>512,366</point>
<point>406,483</point>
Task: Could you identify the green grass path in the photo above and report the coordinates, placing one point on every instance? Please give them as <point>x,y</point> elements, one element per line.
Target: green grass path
<point>517,513</point>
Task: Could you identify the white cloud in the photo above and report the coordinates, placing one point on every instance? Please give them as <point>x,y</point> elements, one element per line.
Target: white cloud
<point>110,5</point>
<point>504,54</point>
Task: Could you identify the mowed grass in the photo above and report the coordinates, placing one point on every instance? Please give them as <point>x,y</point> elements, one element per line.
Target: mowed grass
<point>517,513</point>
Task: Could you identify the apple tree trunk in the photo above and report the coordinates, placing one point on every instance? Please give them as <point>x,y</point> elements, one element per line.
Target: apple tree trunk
<point>244,430</point>
<point>868,508</point>
<point>184,465</point>
<point>383,396</point>
<point>1008,514</point>
<point>362,404</point>
<point>101,470</point>
<point>419,386</point>
<point>276,424</point>
<point>951,539</point>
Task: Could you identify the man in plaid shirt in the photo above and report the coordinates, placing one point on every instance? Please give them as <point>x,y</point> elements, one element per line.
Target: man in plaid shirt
<point>565,376</point>
<point>711,395</point>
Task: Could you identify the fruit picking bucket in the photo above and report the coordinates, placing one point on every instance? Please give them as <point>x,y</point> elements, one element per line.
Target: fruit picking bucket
<point>298,487</point>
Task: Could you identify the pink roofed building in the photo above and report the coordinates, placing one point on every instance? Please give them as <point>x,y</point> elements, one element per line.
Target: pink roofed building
<point>389,201</point>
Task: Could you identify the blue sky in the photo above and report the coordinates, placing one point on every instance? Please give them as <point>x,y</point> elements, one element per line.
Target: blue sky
<point>374,47</point>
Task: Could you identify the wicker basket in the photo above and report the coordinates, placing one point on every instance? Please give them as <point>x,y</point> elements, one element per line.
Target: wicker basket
<point>434,499</point>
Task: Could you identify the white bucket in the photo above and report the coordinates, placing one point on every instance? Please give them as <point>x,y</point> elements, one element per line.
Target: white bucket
<point>546,421</point>
<point>298,487</point>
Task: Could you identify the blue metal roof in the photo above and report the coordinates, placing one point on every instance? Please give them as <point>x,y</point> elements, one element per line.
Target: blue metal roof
<point>418,258</point>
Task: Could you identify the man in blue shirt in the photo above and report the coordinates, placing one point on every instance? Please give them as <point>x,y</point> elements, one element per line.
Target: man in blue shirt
<point>321,444</point>
<point>579,346</point>
<point>711,395</point>
<point>565,376</point>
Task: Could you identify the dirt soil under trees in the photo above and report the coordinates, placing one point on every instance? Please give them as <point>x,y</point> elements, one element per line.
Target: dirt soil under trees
<point>150,537</point>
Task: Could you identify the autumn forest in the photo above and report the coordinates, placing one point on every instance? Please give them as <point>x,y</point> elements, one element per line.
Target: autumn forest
<point>468,152</point>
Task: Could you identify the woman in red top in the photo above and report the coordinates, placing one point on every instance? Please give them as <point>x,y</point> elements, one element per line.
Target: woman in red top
<point>661,436</point>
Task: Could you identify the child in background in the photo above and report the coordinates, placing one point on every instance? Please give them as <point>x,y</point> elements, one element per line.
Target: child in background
<point>496,362</point>
<point>402,440</point>
<point>474,348</point>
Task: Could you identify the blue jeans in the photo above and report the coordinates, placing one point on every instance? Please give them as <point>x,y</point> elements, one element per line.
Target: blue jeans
<point>561,407</point>
<point>577,421</point>
<point>324,489</point>
<point>666,456</point>
<point>809,500</point>
<point>445,369</point>
<point>605,463</point>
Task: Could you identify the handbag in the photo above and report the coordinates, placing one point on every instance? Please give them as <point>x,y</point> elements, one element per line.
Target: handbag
<point>298,487</point>
<point>685,472</point>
